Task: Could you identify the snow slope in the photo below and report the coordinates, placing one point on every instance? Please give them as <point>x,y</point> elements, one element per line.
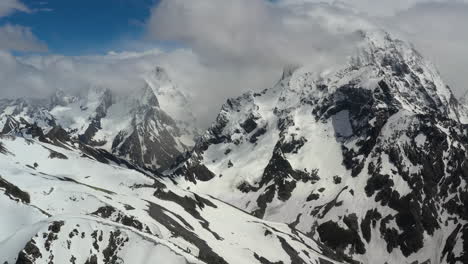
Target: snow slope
<point>68,203</point>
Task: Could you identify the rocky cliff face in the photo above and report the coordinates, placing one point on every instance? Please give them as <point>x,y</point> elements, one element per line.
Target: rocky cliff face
<point>369,158</point>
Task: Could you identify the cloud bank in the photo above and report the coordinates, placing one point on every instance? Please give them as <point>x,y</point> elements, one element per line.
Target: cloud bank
<point>246,32</point>
<point>41,75</point>
<point>19,38</point>
<point>243,45</point>
<point>221,48</point>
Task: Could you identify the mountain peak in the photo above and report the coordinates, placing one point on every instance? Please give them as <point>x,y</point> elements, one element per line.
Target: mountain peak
<point>412,82</point>
<point>288,70</point>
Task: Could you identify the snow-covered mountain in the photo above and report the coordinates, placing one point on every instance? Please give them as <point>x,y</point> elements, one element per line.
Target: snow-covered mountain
<point>361,163</point>
<point>150,127</point>
<point>369,158</point>
<point>70,203</point>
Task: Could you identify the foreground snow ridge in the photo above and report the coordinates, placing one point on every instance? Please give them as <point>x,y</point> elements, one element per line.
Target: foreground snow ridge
<point>61,205</point>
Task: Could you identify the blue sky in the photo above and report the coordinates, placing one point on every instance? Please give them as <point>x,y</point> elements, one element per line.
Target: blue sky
<point>73,27</point>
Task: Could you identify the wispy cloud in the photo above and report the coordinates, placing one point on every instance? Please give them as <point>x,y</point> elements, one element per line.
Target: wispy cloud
<point>245,31</point>
<point>19,38</point>
<point>9,6</point>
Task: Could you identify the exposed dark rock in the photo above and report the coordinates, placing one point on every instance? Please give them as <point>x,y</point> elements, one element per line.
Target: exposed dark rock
<point>336,179</point>
<point>11,126</point>
<point>283,179</point>
<point>324,261</point>
<point>294,145</point>
<point>3,150</point>
<point>14,192</point>
<point>191,205</point>
<point>371,218</point>
<point>58,134</point>
<point>265,198</point>
<point>29,254</point>
<point>195,172</point>
<point>339,239</point>
<point>57,155</point>
<point>293,254</point>
<point>264,260</point>
<point>54,229</point>
<point>312,197</point>
<point>260,132</point>
<point>94,235</point>
<point>249,125</point>
<point>110,213</point>
<point>206,253</point>
<point>449,245</point>
<point>92,260</point>
<point>116,241</point>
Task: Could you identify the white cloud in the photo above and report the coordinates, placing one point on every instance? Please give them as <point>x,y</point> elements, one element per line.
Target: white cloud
<point>374,7</point>
<point>9,6</point>
<point>41,75</point>
<point>19,38</point>
<point>243,45</point>
<point>244,31</point>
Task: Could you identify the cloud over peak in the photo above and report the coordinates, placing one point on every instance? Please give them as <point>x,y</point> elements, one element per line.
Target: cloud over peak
<point>245,31</point>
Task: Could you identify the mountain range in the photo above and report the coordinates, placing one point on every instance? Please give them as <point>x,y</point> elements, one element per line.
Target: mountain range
<point>364,162</point>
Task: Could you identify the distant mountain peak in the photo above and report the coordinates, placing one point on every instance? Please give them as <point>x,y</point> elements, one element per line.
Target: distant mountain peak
<point>150,125</point>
